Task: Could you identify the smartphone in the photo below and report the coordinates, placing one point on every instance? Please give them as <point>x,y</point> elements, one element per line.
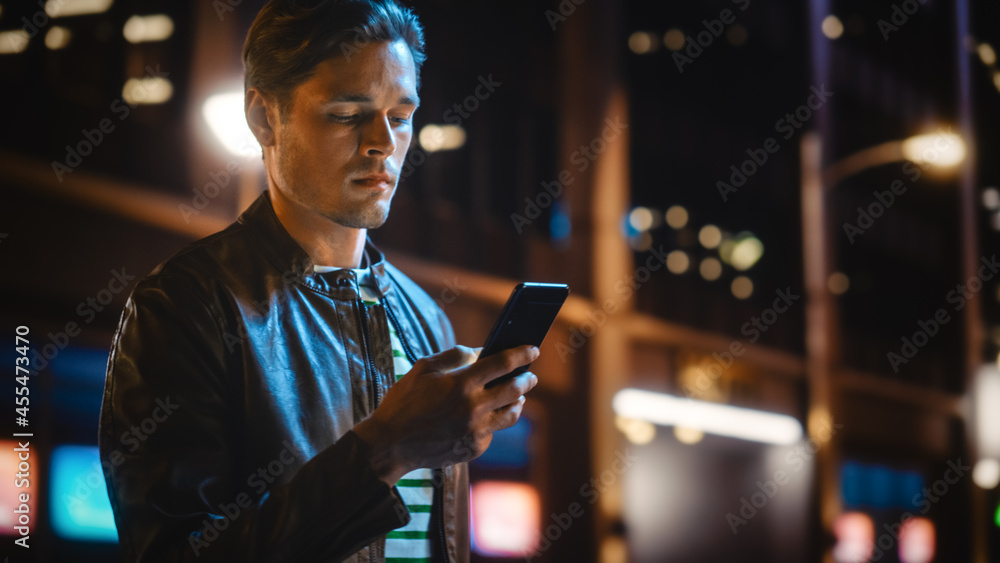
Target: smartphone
<point>526,318</point>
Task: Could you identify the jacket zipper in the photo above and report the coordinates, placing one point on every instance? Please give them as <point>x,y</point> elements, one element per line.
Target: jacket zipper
<point>438,490</point>
<point>366,344</point>
<point>373,394</point>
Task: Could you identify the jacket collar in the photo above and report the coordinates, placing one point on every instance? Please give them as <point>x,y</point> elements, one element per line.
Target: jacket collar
<point>295,264</point>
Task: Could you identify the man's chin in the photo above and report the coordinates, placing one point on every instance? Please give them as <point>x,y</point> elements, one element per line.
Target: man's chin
<point>369,218</point>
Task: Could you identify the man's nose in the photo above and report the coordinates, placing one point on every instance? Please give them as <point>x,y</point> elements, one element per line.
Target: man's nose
<point>377,137</point>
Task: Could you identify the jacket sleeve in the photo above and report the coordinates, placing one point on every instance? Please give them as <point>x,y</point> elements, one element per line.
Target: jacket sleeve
<point>170,452</point>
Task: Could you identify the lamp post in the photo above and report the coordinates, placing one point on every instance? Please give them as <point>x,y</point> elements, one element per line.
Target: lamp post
<point>942,151</point>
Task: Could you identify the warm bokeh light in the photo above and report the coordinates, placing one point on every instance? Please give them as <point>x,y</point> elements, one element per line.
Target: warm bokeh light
<point>676,216</point>
<point>991,198</point>
<point>673,39</point>
<point>838,283</point>
<point>434,138</point>
<point>638,432</point>
<point>678,261</point>
<point>225,117</point>
<point>150,90</point>
<point>642,42</point>
<point>742,287</point>
<point>832,27</point>
<point>14,41</point>
<point>64,8</point>
<point>145,29</point>
<point>57,37</point>
<point>689,436</point>
<point>917,541</point>
<point>614,550</point>
<point>746,251</point>
<point>986,474</point>
<point>710,236</point>
<point>855,534</point>
<point>641,219</point>
<point>506,518</point>
<point>737,35</point>
<point>986,53</point>
<point>726,249</point>
<point>710,418</point>
<point>710,268</point>
<point>940,149</point>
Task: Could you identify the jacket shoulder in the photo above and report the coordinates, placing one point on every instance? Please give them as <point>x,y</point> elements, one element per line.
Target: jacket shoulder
<point>204,257</point>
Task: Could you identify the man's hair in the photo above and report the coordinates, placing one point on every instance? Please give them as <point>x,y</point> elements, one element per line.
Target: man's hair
<point>288,38</point>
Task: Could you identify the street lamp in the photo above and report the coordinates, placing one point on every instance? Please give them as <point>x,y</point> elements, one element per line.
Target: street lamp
<point>941,151</point>
<point>226,119</point>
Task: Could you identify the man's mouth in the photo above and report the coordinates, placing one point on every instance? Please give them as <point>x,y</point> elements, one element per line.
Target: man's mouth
<point>383,181</point>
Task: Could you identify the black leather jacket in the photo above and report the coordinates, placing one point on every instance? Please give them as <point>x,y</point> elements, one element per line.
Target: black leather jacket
<point>234,382</point>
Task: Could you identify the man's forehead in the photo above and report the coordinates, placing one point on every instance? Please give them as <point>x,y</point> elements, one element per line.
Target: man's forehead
<point>372,67</point>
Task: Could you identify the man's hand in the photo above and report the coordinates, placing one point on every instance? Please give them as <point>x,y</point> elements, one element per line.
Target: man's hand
<point>440,413</point>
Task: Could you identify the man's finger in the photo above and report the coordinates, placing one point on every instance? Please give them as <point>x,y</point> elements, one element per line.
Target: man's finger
<point>507,416</point>
<point>491,367</point>
<point>454,358</point>
<point>507,392</point>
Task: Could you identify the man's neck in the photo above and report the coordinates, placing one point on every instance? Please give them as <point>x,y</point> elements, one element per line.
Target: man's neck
<point>327,243</point>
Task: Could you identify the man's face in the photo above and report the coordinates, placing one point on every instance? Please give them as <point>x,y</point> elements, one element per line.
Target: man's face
<point>341,145</point>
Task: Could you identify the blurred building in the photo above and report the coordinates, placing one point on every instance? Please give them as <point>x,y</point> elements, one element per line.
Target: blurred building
<point>703,175</point>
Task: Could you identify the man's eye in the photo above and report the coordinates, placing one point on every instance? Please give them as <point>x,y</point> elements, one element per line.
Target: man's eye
<point>401,119</point>
<point>343,118</point>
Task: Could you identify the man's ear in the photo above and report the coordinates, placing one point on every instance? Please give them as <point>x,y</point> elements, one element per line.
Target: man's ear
<point>261,115</point>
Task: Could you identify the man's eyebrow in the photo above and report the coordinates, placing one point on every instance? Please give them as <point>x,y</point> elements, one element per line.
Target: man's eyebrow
<point>362,98</point>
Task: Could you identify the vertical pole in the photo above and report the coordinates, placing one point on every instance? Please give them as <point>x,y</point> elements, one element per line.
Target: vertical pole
<point>593,95</point>
<point>821,319</point>
<point>609,352</point>
<point>969,259</point>
<point>820,334</point>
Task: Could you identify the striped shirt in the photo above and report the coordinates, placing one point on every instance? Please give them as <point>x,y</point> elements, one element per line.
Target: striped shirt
<point>410,543</point>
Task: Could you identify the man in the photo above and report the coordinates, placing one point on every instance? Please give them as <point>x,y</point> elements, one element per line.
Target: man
<point>247,368</point>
